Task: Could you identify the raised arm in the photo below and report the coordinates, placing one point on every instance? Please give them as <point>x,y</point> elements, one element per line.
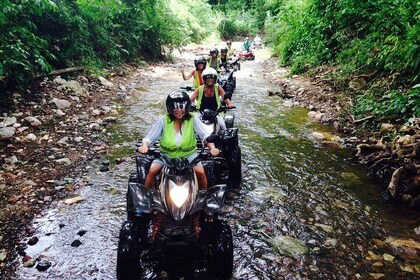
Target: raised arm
<point>187,76</point>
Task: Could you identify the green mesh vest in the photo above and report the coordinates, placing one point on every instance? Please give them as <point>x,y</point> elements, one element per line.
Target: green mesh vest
<point>188,142</point>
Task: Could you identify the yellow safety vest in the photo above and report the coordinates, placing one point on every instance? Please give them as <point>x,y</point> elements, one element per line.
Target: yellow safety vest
<point>188,141</point>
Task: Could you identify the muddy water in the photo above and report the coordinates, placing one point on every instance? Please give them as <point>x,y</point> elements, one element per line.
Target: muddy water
<point>304,211</point>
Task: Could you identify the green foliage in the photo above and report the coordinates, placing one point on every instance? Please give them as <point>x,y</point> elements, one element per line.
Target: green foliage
<point>39,36</point>
<point>23,53</point>
<point>195,20</point>
<point>241,17</point>
<point>396,103</point>
<point>380,38</point>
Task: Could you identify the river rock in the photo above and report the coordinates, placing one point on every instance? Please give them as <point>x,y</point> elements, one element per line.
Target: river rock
<point>43,265</point>
<point>33,121</point>
<point>386,128</point>
<point>76,243</point>
<point>289,246</point>
<point>408,249</point>
<point>11,160</point>
<point>3,255</point>
<point>94,126</point>
<point>315,116</point>
<point>288,104</point>
<point>28,261</point>
<point>110,119</point>
<point>74,87</point>
<point>106,109</point>
<point>404,140</point>
<point>331,242</point>
<point>70,201</point>
<point>32,241</point>
<point>317,136</point>
<point>96,112</point>
<point>59,80</point>
<point>65,161</point>
<point>326,228</point>
<point>59,113</point>
<point>377,275</point>
<point>30,137</point>
<point>61,103</point>
<point>388,257</point>
<point>64,140</point>
<point>105,82</point>
<point>7,132</point>
<point>8,121</point>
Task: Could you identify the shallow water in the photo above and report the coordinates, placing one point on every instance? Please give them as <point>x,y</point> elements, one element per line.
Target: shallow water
<point>304,211</point>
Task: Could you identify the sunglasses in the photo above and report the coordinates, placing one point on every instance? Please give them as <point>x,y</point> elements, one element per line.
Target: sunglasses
<point>180,105</point>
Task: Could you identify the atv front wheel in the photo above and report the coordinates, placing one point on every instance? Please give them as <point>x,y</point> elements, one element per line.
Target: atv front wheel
<point>235,167</point>
<point>221,262</point>
<point>129,248</point>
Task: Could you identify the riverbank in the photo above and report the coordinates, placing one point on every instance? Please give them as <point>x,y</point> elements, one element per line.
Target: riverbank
<point>48,140</point>
<point>389,148</point>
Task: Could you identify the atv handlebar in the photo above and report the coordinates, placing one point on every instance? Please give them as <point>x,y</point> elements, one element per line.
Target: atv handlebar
<point>187,88</point>
<point>157,153</point>
<point>222,108</point>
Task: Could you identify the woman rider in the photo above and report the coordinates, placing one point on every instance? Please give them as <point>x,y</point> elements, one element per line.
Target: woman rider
<point>208,95</point>
<point>200,65</point>
<point>214,61</point>
<point>224,56</point>
<point>176,131</point>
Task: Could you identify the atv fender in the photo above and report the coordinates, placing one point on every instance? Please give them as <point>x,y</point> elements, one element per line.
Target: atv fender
<point>215,198</point>
<point>138,198</point>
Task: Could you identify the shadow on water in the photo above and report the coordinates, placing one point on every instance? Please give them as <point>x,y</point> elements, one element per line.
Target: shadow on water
<point>304,211</point>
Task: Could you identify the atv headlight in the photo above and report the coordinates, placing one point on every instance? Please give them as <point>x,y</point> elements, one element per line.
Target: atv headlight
<point>178,193</point>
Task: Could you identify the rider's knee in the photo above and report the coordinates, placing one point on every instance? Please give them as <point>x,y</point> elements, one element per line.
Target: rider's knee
<point>199,170</point>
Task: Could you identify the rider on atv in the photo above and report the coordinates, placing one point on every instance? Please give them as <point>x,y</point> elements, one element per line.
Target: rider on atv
<point>200,65</point>
<point>224,55</point>
<point>247,44</point>
<point>214,61</point>
<point>231,51</point>
<point>208,95</point>
<point>176,131</point>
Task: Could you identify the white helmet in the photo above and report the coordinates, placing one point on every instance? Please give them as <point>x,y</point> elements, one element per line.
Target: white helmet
<point>209,73</point>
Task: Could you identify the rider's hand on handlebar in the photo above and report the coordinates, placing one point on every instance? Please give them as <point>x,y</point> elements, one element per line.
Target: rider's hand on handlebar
<point>214,151</point>
<point>143,149</point>
<point>229,103</point>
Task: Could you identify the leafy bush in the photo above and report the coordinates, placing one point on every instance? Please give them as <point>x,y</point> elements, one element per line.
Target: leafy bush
<point>39,36</point>
<point>363,36</point>
<point>22,52</point>
<point>396,103</point>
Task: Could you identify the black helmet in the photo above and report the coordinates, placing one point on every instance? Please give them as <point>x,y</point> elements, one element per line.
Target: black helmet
<point>207,116</point>
<point>178,100</point>
<point>224,50</point>
<point>200,59</point>
<point>214,51</point>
